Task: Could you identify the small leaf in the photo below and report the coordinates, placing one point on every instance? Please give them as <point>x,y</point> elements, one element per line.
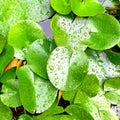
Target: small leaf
<point>37,56</point>
<point>69,31</point>
<point>9,74</point>
<point>104,33</point>
<point>108,115</point>
<point>66,70</point>
<point>25,117</point>
<point>5,57</point>
<point>113,96</point>
<point>86,7</point>
<point>26,88</point>
<point>5,112</point>
<point>24,33</point>
<point>61,6</point>
<point>45,94</point>
<point>90,85</point>
<point>112,84</point>
<point>77,112</point>
<point>10,96</point>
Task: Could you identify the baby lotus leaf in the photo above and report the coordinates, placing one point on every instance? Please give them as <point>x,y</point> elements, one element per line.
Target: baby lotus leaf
<point>26,88</point>
<point>104,33</point>
<point>61,6</point>
<point>67,70</point>
<point>46,94</point>
<point>69,31</point>
<point>5,57</point>
<point>14,10</point>
<point>5,112</point>
<point>101,66</point>
<point>24,33</point>
<point>86,7</point>
<point>78,113</point>
<point>10,96</point>
<point>90,85</point>
<point>112,84</point>
<point>37,56</point>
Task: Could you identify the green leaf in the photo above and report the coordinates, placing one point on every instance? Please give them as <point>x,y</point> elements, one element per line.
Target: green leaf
<point>25,117</point>
<point>90,85</point>
<point>45,93</point>
<point>66,70</point>
<point>37,56</point>
<point>101,66</point>
<point>26,88</point>
<point>69,31</point>
<point>86,7</point>
<point>61,6</point>
<point>5,57</point>
<point>78,113</point>
<point>113,96</point>
<point>112,84</point>
<point>104,33</point>
<point>10,96</point>
<point>5,112</point>
<point>2,42</point>
<point>12,11</point>
<point>24,33</point>
<point>108,115</point>
<point>9,74</point>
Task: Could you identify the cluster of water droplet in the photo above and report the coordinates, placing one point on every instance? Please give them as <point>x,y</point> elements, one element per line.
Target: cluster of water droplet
<point>77,30</point>
<point>57,67</point>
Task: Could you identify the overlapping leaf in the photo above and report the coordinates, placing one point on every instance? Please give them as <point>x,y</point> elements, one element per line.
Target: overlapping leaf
<point>66,70</point>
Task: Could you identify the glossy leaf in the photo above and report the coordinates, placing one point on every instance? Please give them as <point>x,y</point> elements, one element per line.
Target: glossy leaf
<point>26,88</point>
<point>104,33</point>
<point>61,6</point>
<point>5,112</point>
<point>101,66</point>
<point>113,97</point>
<point>86,7</point>
<point>66,70</point>
<point>24,33</point>
<point>69,31</point>
<point>91,85</point>
<point>108,115</point>
<point>45,93</point>
<point>2,43</point>
<point>13,11</point>
<point>10,96</point>
<point>25,117</point>
<point>5,57</point>
<point>9,74</point>
<point>77,112</point>
<point>112,84</point>
<point>37,55</point>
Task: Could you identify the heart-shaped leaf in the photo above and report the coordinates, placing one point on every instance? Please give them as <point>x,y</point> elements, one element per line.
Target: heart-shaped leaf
<point>101,66</point>
<point>37,56</point>
<point>61,6</point>
<point>10,96</point>
<point>69,31</point>
<point>24,33</point>
<point>26,88</point>
<point>46,94</point>
<point>5,57</point>
<point>66,70</point>
<point>5,112</point>
<point>104,33</point>
<point>86,7</point>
